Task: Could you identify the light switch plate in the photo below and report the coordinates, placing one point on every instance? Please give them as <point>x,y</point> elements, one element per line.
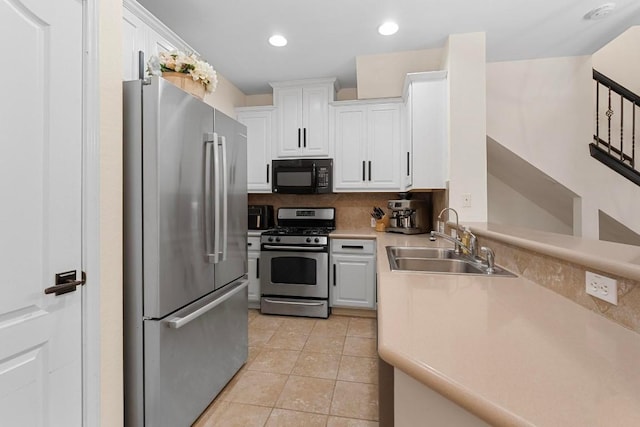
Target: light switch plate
<point>602,287</point>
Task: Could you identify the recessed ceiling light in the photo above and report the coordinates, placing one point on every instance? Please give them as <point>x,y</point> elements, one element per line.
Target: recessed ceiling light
<point>388,28</point>
<point>600,11</point>
<point>277,40</point>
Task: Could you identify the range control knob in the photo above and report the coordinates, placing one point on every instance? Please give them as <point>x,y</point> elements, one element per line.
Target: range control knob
<point>317,239</point>
<point>308,239</point>
<point>277,239</point>
<point>270,239</point>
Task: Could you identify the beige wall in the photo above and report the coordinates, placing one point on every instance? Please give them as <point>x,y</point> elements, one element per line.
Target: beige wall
<point>382,76</point>
<point>226,97</point>
<point>466,65</point>
<point>620,59</point>
<point>543,111</point>
<point>259,100</point>
<point>266,99</point>
<point>508,206</point>
<point>111,371</point>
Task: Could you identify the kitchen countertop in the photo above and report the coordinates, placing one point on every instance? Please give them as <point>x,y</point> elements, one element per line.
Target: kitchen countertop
<point>506,349</point>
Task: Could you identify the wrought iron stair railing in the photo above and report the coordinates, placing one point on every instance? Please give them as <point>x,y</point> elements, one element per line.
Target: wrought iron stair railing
<point>617,122</point>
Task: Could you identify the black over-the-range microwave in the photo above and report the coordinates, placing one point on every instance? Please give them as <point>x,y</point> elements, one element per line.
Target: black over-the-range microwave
<point>302,176</point>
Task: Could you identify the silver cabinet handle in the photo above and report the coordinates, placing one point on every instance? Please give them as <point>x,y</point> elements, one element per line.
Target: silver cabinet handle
<point>179,322</point>
<point>293,303</point>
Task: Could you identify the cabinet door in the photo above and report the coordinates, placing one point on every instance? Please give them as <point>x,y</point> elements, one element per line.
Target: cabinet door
<point>259,125</point>
<point>383,136</point>
<point>349,165</point>
<point>353,281</point>
<point>133,41</point>
<point>254,277</point>
<point>406,155</point>
<point>289,113</point>
<point>315,121</point>
<point>429,133</point>
<point>156,44</point>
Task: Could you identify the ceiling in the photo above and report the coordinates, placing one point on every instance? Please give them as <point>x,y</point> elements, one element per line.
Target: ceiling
<point>325,37</point>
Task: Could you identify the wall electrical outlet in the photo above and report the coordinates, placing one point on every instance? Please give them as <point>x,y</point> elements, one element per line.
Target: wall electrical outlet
<point>602,287</point>
<point>466,200</point>
<point>373,222</point>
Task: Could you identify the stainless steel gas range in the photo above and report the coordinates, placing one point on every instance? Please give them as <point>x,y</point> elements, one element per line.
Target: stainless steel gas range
<point>294,267</point>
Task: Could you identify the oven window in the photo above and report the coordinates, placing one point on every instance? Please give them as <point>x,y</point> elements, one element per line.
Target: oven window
<point>293,270</point>
<point>294,179</point>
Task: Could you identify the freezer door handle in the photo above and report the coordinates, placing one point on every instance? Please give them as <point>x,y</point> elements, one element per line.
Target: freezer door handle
<point>179,322</point>
<point>217,195</point>
<point>209,230</point>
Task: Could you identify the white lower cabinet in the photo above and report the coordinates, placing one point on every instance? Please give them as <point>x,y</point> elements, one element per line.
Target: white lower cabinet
<point>352,280</point>
<point>253,250</point>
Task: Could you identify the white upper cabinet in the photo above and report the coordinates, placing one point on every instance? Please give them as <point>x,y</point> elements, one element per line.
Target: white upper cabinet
<point>367,147</point>
<point>302,117</point>
<point>143,32</point>
<point>259,123</point>
<point>426,124</point>
<point>133,40</point>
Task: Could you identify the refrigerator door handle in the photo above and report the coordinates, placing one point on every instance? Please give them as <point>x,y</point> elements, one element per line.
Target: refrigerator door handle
<point>216,202</point>
<point>179,322</point>
<point>209,231</point>
<point>225,199</point>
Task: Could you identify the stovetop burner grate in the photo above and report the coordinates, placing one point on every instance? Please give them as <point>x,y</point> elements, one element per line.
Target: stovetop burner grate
<point>300,231</point>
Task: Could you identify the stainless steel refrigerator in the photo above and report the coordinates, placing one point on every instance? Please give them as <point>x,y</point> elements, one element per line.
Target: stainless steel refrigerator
<point>185,253</point>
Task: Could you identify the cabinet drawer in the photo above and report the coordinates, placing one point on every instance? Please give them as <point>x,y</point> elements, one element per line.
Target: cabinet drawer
<point>353,246</point>
<point>253,243</point>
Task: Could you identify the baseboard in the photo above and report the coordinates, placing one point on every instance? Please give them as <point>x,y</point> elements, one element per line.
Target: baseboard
<point>354,312</point>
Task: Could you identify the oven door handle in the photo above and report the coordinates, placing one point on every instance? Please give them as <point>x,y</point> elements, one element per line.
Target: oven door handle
<point>294,248</point>
<point>314,304</point>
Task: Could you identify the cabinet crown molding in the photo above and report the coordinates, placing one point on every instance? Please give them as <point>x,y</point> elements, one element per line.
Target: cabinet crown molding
<point>255,108</point>
<point>156,25</point>
<point>423,76</point>
<point>306,82</point>
<point>376,101</point>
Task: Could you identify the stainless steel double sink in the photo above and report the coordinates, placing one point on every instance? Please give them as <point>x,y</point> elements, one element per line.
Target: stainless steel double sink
<point>438,260</point>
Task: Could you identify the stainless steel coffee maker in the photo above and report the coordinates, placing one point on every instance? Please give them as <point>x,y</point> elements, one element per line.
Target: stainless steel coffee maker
<point>409,216</point>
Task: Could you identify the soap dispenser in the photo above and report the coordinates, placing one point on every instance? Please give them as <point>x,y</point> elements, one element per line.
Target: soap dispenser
<point>466,240</point>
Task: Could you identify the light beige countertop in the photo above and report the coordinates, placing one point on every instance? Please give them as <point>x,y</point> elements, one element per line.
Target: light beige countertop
<point>506,349</point>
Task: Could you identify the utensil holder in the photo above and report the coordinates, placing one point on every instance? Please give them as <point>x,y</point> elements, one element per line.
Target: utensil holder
<point>382,224</point>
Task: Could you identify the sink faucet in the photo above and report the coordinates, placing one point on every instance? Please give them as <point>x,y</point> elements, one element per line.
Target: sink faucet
<point>455,240</point>
<point>490,259</point>
<point>455,212</point>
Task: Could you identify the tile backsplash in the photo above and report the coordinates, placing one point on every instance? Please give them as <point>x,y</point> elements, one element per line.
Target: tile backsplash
<point>568,280</point>
<point>352,209</point>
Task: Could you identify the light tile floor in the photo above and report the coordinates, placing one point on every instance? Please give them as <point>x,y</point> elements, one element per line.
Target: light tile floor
<point>302,372</point>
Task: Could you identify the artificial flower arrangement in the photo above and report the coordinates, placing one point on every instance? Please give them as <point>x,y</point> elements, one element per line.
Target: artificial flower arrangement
<point>186,63</point>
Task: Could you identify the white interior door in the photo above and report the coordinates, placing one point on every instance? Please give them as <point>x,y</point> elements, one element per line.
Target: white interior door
<point>40,219</point>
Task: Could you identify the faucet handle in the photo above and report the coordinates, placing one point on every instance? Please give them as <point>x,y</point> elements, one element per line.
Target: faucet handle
<point>491,256</point>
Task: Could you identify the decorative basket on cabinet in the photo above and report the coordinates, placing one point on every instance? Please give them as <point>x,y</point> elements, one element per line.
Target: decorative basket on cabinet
<point>185,82</point>
<point>185,71</point>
